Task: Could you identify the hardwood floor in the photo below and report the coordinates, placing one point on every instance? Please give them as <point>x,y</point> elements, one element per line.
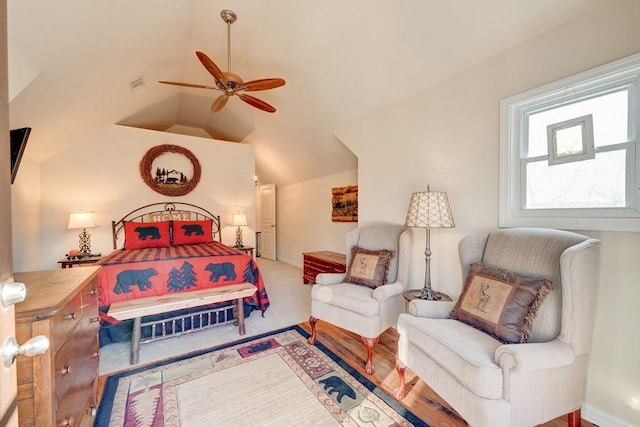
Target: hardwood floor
<point>420,399</point>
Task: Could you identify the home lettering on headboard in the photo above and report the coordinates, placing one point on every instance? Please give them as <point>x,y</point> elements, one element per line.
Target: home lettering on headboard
<point>169,216</point>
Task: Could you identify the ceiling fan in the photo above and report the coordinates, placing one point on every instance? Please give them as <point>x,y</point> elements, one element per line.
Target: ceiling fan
<point>230,83</point>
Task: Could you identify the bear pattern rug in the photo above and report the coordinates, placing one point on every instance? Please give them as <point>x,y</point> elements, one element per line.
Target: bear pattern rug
<point>275,379</point>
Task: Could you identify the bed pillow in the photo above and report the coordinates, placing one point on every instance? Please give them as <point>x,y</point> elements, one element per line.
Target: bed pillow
<point>369,268</point>
<point>140,235</point>
<point>501,303</point>
<point>191,232</point>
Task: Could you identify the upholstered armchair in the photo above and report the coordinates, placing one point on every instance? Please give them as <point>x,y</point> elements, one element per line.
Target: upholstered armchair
<point>491,383</point>
<point>367,308</point>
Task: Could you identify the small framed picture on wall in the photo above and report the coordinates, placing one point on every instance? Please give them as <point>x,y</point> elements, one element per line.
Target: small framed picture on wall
<point>344,201</point>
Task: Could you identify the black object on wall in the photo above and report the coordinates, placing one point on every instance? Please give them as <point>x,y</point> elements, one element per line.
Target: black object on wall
<point>18,139</point>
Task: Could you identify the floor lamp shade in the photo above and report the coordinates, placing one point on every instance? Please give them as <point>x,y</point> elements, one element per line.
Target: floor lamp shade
<point>429,209</point>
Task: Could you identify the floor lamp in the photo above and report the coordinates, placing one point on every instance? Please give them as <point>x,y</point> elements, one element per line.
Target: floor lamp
<point>429,209</point>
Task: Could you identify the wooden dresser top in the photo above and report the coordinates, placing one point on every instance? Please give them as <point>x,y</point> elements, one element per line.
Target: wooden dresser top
<point>50,290</point>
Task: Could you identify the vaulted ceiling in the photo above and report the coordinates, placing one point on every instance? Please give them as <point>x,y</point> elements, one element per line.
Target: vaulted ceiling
<point>71,64</point>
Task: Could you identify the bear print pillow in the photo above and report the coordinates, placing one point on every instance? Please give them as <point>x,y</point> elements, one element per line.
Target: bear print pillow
<point>191,232</point>
<point>140,235</point>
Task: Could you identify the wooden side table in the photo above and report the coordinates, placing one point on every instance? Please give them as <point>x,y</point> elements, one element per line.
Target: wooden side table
<point>322,262</point>
<point>246,249</point>
<point>69,263</point>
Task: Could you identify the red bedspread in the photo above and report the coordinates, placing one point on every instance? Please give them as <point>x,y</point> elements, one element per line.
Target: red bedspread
<point>130,274</point>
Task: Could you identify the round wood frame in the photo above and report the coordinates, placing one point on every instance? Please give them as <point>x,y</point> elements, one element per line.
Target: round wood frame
<point>174,189</point>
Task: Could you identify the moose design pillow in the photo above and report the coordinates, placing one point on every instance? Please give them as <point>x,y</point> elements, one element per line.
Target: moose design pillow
<point>369,268</point>
<point>501,303</point>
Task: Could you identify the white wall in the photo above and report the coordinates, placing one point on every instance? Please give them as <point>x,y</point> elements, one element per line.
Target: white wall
<point>447,136</point>
<point>25,214</point>
<point>303,213</point>
<point>102,175</point>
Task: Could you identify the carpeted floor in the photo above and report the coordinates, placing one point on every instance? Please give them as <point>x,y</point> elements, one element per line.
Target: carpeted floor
<point>272,380</point>
<point>290,305</point>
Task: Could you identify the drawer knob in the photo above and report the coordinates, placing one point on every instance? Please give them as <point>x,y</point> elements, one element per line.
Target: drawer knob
<point>93,292</point>
<point>94,355</point>
<point>67,422</point>
<point>66,370</point>
<point>94,319</point>
<point>71,316</point>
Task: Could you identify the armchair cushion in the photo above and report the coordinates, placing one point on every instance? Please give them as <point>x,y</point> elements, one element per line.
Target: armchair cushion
<point>369,268</point>
<point>346,296</point>
<point>461,350</point>
<point>501,303</point>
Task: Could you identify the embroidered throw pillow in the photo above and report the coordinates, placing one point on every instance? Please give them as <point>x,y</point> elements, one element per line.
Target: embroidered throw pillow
<point>501,303</point>
<point>140,235</point>
<point>369,268</point>
<point>191,232</point>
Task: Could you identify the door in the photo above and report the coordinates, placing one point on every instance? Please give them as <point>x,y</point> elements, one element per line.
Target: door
<point>8,389</point>
<point>268,221</point>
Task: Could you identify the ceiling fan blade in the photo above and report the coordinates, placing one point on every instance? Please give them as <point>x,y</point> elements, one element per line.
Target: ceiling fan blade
<point>188,85</point>
<point>262,84</point>
<point>219,103</point>
<point>213,69</point>
<point>255,102</point>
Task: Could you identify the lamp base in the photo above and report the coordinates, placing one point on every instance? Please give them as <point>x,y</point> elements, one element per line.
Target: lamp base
<point>430,294</point>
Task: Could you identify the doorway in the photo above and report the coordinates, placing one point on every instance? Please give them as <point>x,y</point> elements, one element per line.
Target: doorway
<point>266,213</point>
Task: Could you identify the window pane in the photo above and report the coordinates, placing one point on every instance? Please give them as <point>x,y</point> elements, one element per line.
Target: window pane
<point>569,141</point>
<point>597,183</point>
<point>610,121</point>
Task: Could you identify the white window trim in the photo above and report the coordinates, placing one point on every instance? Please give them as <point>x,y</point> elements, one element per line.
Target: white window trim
<point>511,213</point>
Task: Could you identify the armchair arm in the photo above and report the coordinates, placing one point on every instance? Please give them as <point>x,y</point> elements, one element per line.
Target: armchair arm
<point>330,278</point>
<point>384,292</point>
<point>534,356</point>
<point>431,309</point>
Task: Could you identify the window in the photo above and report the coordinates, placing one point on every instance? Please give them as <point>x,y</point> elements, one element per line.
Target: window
<point>568,152</point>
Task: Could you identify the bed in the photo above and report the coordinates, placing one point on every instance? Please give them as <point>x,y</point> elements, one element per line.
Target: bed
<point>170,247</point>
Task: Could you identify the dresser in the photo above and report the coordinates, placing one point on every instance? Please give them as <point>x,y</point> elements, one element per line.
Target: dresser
<point>58,387</point>
<point>315,263</point>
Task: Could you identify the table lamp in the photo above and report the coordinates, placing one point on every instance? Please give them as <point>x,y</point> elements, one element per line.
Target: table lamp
<point>239,220</point>
<point>429,209</point>
<point>83,220</point>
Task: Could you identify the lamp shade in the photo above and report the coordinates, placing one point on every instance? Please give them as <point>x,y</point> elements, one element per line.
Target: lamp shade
<point>82,220</point>
<point>239,219</point>
<point>429,209</point>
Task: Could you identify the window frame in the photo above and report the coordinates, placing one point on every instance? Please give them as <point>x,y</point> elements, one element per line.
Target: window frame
<point>514,112</point>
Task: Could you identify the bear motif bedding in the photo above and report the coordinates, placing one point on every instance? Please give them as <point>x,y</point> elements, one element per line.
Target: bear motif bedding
<point>155,271</point>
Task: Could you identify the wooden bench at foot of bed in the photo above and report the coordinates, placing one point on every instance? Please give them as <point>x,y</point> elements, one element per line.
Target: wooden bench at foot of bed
<point>137,308</point>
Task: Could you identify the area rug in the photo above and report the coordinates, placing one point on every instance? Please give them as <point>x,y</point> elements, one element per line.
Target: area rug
<point>276,379</point>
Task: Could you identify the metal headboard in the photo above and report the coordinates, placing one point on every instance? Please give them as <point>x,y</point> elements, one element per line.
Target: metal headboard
<point>170,210</point>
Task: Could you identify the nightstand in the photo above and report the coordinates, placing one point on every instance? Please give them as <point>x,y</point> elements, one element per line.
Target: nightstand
<point>69,263</point>
<point>246,249</point>
<point>414,293</point>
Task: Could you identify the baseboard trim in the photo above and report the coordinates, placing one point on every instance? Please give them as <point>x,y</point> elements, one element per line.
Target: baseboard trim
<point>291,263</point>
<point>601,419</point>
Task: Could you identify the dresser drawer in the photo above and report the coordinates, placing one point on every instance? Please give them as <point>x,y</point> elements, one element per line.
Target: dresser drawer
<point>65,320</point>
<point>76,363</point>
<point>90,294</point>
<point>72,404</point>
